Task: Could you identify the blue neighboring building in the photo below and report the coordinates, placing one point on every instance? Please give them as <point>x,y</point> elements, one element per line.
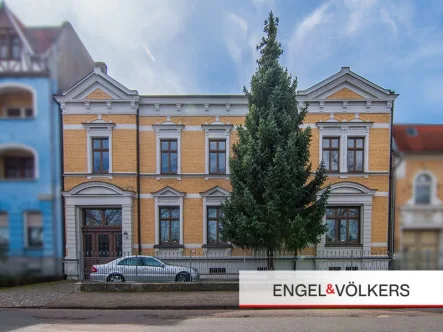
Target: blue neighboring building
<point>35,64</point>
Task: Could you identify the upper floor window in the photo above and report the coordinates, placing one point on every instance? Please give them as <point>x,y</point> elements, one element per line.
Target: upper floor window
<point>168,156</point>
<point>355,154</point>
<point>343,225</point>
<point>214,226</point>
<point>10,47</point>
<point>423,185</point>
<point>100,155</point>
<point>169,225</point>
<point>34,229</point>
<point>4,232</point>
<point>18,167</point>
<point>217,156</point>
<point>331,153</point>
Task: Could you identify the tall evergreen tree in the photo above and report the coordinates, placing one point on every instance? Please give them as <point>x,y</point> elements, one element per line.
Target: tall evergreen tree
<point>274,203</point>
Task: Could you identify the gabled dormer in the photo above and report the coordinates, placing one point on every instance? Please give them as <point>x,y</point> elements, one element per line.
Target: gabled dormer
<point>346,91</point>
<point>17,55</point>
<point>99,93</point>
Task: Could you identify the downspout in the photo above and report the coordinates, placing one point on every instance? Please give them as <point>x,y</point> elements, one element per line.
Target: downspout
<point>391,212</point>
<point>138,182</point>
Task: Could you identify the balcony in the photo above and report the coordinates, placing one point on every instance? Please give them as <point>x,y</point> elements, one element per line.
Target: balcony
<point>422,216</point>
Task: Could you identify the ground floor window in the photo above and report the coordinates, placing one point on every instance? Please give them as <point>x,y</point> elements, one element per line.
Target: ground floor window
<point>169,224</point>
<point>343,225</point>
<point>214,226</point>
<point>4,232</point>
<point>34,229</point>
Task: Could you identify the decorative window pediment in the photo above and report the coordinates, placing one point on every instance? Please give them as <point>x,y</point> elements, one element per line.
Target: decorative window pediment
<point>96,188</point>
<point>168,192</point>
<point>216,192</point>
<point>351,188</point>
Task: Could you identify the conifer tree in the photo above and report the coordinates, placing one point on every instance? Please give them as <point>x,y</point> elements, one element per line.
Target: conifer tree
<point>276,200</point>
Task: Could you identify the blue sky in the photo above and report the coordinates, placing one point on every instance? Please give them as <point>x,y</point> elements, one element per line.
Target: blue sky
<point>208,46</point>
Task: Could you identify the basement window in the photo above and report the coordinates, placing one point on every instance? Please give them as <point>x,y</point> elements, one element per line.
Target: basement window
<point>334,268</point>
<point>217,270</point>
<point>351,268</point>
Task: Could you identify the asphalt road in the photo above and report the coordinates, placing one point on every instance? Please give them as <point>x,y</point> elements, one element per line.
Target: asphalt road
<point>49,320</point>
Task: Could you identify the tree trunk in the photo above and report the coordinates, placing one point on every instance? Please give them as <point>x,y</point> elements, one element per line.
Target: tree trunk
<point>270,259</point>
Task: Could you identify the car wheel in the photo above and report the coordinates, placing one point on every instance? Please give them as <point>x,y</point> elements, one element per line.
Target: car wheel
<point>115,278</point>
<point>182,277</point>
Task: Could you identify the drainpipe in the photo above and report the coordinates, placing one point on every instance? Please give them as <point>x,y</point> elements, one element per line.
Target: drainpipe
<point>391,212</point>
<point>138,182</point>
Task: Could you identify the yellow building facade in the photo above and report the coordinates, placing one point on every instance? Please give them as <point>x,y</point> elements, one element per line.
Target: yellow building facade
<point>146,174</point>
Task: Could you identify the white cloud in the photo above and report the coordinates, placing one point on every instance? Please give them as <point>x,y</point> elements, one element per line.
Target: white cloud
<point>386,18</point>
<point>319,16</point>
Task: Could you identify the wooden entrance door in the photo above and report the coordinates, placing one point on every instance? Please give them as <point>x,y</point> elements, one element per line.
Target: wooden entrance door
<point>102,236</point>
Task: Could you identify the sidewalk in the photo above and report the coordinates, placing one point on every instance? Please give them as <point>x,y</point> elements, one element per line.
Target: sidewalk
<point>146,300</point>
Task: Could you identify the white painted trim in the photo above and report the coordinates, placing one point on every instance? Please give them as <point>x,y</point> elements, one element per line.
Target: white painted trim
<point>379,125</point>
<point>352,194</point>
<point>106,132</point>
<point>217,130</point>
<point>434,197</point>
<point>19,146</point>
<point>167,131</point>
<point>24,87</point>
<point>342,130</point>
<point>82,127</point>
<point>25,226</point>
<point>382,194</point>
<point>379,244</point>
<point>212,197</point>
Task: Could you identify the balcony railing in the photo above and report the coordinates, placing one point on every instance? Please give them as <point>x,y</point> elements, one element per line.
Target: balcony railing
<point>422,216</point>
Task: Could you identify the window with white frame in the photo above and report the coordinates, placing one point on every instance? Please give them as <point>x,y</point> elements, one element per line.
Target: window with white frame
<point>34,229</point>
<point>168,217</point>
<point>217,146</point>
<point>168,142</point>
<point>423,189</point>
<point>99,146</point>
<point>344,147</point>
<point>4,231</point>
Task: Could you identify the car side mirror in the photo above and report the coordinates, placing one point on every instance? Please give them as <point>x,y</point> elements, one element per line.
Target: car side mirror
<point>163,265</point>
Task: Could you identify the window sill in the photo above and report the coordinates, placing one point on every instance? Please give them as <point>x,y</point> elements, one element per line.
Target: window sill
<point>217,176</point>
<point>169,246</point>
<point>99,175</point>
<point>217,246</point>
<point>168,176</point>
<point>344,245</point>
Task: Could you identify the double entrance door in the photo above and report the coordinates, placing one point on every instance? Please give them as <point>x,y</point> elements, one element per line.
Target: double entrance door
<point>102,236</point>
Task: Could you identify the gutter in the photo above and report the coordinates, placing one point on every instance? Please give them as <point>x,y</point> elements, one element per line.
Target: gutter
<point>391,212</point>
<point>138,182</point>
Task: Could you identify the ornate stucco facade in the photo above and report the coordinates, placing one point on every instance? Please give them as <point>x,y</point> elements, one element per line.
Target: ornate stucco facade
<point>163,162</point>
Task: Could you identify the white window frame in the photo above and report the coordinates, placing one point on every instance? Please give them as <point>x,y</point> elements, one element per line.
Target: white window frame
<point>434,198</point>
<point>342,131</point>
<point>167,197</point>
<point>98,129</point>
<point>220,131</point>
<point>25,215</point>
<point>212,197</point>
<point>352,194</point>
<point>167,131</point>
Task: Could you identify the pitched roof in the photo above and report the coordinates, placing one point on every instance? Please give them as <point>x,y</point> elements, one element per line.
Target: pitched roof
<point>418,138</point>
<point>39,38</point>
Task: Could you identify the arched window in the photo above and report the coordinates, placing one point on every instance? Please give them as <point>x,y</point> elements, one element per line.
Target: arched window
<point>16,101</point>
<point>17,162</point>
<point>423,187</point>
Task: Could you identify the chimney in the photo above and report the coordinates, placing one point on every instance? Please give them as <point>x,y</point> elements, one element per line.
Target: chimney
<point>345,69</point>
<point>102,66</point>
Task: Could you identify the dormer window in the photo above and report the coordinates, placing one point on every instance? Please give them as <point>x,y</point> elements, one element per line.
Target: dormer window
<point>10,47</point>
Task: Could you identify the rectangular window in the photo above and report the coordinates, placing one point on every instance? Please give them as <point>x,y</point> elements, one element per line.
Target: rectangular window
<point>331,153</point>
<point>100,155</point>
<point>3,47</point>
<point>13,113</point>
<point>217,156</point>
<point>15,47</point>
<point>168,156</point>
<point>19,167</point>
<point>4,231</point>
<point>343,225</point>
<point>169,225</point>
<point>29,112</point>
<point>34,228</point>
<point>356,154</point>
<point>214,226</point>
